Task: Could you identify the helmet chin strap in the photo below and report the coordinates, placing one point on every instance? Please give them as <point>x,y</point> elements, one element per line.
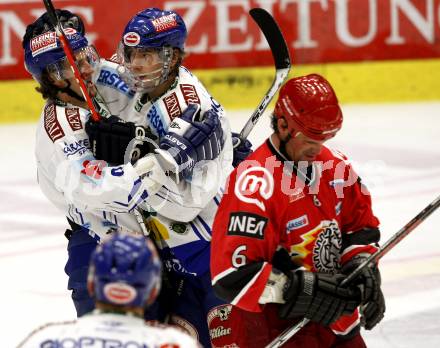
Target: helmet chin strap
<point>69,91</point>
<point>283,143</point>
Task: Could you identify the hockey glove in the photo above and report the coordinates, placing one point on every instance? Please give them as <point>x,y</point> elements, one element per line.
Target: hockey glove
<point>241,151</point>
<point>110,138</point>
<point>318,297</point>
<point>189,140</point>
<point>372,300</point>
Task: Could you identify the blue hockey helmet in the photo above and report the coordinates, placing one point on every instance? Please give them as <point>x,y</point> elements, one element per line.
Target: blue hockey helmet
<point>45,50</point>
<point>155,28</point>
<point>125,271</point>
<point>147,48</point>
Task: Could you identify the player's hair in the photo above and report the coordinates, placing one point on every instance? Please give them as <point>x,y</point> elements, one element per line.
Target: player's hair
<point>274,123</point>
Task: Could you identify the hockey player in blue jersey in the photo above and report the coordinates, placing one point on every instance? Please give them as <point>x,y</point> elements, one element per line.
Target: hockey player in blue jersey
<point>124,279</point>
<point>150,55</point>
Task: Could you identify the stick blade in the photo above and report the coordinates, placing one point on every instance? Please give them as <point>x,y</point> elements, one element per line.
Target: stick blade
<point>273,36</point>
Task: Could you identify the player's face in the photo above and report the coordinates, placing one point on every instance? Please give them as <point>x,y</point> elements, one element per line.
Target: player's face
<point>145,66</point>
<point>303,148</point>
<point>86,59</point>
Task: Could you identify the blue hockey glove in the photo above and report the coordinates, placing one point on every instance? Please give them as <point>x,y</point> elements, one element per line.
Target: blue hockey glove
<point>242,151</point>
<point>189,141</point>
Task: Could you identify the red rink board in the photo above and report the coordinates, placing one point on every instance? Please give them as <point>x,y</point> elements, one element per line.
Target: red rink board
<point>221,34</point>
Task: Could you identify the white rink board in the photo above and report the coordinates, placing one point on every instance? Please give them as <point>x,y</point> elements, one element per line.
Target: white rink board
<point>397,152</point>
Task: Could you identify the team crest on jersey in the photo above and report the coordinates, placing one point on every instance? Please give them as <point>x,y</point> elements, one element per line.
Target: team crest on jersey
<point>326,253</point>
<point>119,293</point>
<point>254,181</point>
<point>319,247</point>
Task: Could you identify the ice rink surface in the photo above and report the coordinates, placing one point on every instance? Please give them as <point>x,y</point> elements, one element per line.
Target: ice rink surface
<point>396,150</point>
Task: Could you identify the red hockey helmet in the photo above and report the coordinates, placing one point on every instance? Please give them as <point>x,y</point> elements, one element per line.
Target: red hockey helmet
<point>310,106</point>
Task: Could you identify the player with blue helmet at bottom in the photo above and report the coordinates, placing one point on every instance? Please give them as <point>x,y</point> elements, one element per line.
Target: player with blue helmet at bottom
<point>126,270</point>
<point>124,279</point>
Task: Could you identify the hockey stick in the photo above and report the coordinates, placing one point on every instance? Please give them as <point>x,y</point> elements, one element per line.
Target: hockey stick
<point>70,57</point>
<point>393,241</point>
<point>280,54</point>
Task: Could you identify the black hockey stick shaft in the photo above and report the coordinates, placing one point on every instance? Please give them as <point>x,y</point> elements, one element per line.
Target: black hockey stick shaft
<point>70,57</point>
<point>280,54</point>
<point>390,243</point>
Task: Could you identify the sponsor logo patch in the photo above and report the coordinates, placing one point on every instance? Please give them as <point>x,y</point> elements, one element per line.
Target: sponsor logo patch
<point>172,106</point>
<point>69,31</point>
<point>74,119</point>
<point>131,39</point>
<point>217,320</point>
<point>247,225</point>
<point>253,181</point>
<point>154,119</point>
<point>190,94</point>
<point>51,124</point>
<point>221,312</point>
<point>43,43</point>
<point>119,293</point>
<point>78,147</point>
<point>111,79</point>
<point>296,195</point>
<point>93,169</point>
<point>164,23</point>
<point>179,227</point>
<point>297,223</point>
<point>336,182</point>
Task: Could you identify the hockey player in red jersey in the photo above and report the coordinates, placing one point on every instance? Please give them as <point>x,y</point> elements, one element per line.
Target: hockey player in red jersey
<point>294,221</point>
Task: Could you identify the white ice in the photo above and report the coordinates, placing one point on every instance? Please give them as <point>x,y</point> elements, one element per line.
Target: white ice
<point>396,149</point>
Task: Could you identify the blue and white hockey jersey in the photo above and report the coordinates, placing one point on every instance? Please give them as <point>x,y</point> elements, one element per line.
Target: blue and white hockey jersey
<point>108,330</point>
<point>102,198</point>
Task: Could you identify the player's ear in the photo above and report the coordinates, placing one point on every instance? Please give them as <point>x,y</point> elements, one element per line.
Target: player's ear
<point>177,57</point>
<point>91,288</point>
<point>282,126</point>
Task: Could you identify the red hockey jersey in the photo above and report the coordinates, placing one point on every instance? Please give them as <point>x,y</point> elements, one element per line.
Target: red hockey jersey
<point>321,213</point>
